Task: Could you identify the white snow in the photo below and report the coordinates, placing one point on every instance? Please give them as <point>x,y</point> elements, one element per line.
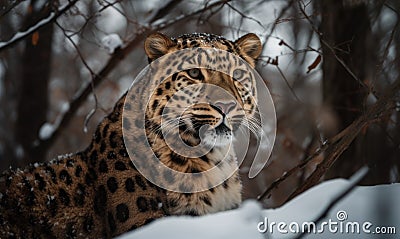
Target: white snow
<point>371,206</point>
<point>238,223</point>
<point>361,205</point>
<point>46,131</point>
<point>111,42</point>
<point>64,107</point>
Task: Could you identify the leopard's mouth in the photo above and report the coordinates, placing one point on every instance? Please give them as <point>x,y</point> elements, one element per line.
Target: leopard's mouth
<point>222,129</point>
<point>215,129</point>
<point>220,135</point>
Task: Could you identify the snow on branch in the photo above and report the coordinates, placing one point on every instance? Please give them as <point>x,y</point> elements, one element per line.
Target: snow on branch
<point>51,18</point>
<point>21,35</point>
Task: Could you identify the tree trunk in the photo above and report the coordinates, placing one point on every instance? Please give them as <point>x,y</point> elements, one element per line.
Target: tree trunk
<point>32,103</point>
<point>346,27</point>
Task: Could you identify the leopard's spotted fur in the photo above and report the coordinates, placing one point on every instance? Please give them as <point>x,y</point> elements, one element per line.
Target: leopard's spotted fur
<point>98,193</point>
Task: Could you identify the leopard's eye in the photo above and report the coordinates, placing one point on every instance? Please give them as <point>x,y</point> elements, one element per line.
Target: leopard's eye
<point>194,73</point>
<point>238,74</point>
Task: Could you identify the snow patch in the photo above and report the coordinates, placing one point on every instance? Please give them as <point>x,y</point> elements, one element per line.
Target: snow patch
<point>111,42</point>
<point>64,107</point>
<point>364,203</point>
<point>46,131</point>
<point>240,223</point>
<point>361,205</point>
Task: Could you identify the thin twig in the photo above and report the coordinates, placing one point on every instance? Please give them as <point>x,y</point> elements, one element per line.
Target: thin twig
<point>245,16</point>
<point>267,192</point>
<point>120,11</point>
<point>392,8</point>
<point>389,44</point>
<point>92,73</point>
<point>7,9</point>
<point>287,83</point>
<point>306,151</point>
<point>162,11</point>
<point>283,11</point>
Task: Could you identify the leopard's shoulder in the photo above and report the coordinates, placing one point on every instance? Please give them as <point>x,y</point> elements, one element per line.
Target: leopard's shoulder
<point>96,193</point>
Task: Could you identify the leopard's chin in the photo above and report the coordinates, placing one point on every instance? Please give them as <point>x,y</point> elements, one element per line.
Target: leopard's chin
<point>218,137</point>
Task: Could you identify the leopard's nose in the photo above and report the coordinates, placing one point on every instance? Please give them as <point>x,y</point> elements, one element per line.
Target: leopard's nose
<point>225,106</point>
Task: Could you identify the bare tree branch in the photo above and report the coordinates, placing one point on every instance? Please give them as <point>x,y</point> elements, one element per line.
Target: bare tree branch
<point>92,73</point>
<point>6,9</point>
<point>162,11</point>
<point>385,105</point>
<point>244,16</point>
<point>278,19</point>
<point>301,165</point>
<point>287,83</point>
<point>39,25</point>
<point>335,146</point>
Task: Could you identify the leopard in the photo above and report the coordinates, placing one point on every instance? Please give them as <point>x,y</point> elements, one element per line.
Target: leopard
<point>100,192</point>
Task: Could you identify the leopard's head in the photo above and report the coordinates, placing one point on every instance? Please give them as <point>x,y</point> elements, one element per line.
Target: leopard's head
<point>204,104</point>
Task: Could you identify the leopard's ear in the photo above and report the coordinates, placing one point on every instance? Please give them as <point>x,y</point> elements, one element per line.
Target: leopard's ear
<point>157,45</point>
<point>250,45</point>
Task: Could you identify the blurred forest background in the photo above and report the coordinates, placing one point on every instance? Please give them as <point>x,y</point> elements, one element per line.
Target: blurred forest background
<point>332,66</point>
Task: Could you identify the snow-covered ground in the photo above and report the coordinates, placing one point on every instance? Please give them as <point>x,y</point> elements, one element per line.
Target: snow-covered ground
<point>361,214</point>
